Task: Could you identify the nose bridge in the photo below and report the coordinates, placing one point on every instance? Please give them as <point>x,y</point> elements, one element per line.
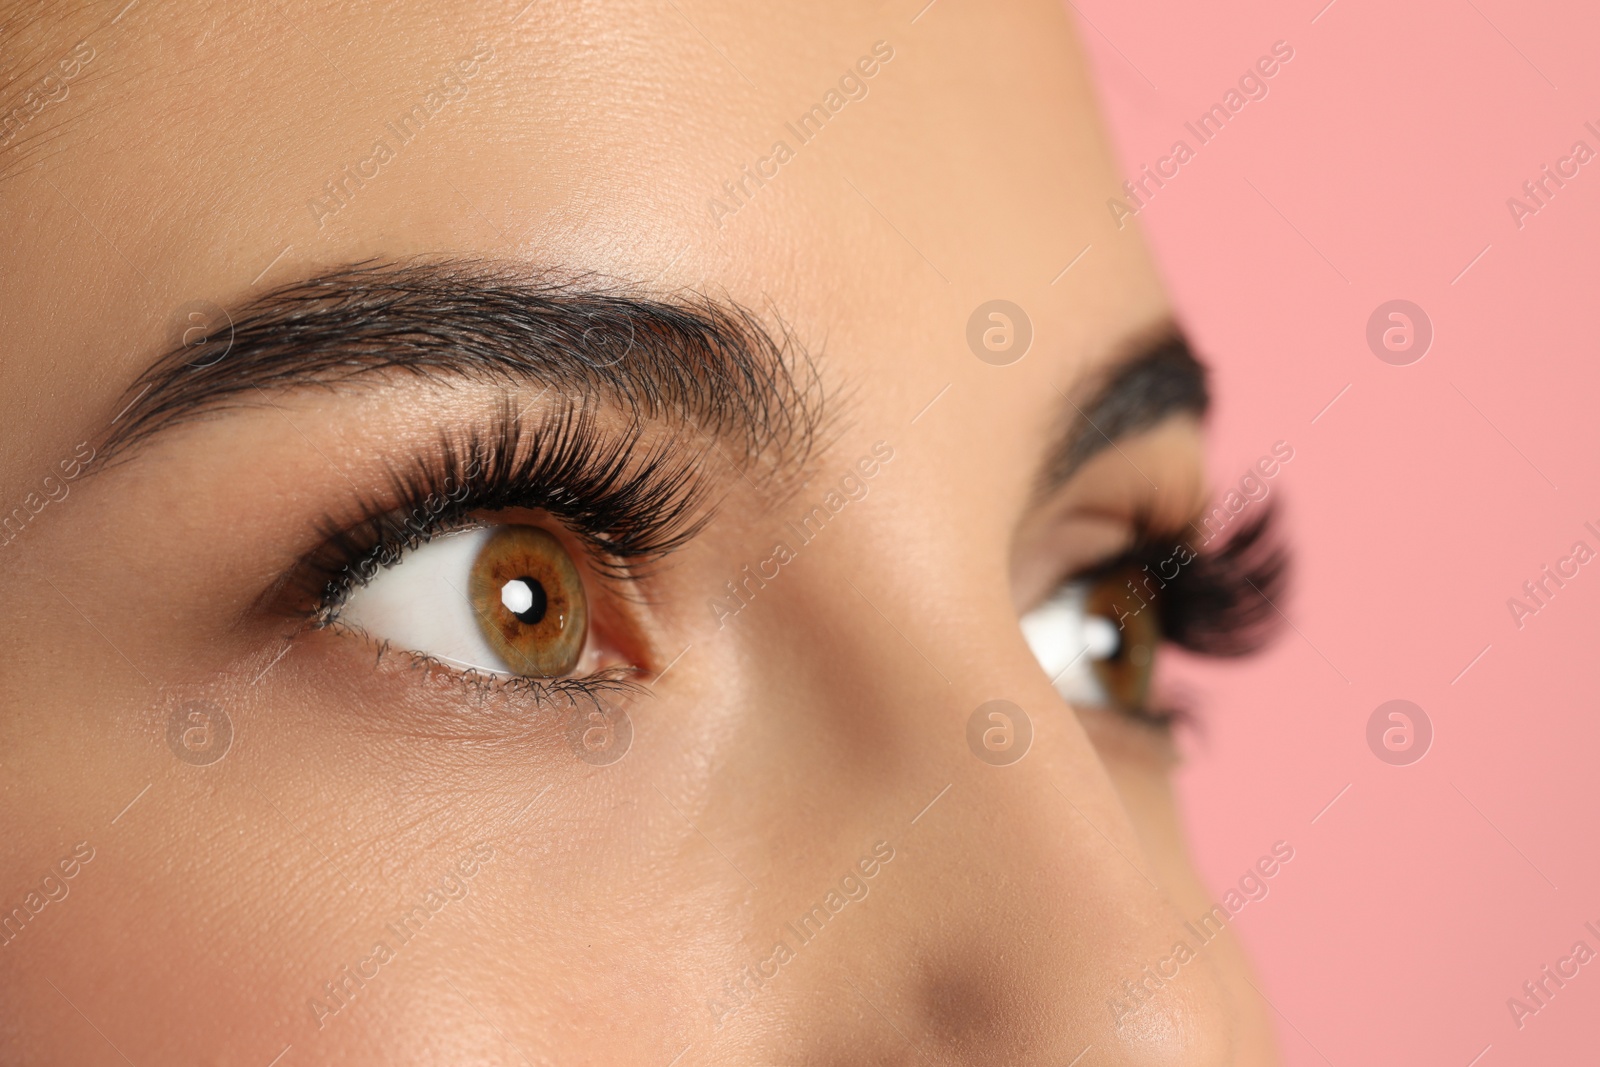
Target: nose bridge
<point>1010,839</point>
<point>926,656</point>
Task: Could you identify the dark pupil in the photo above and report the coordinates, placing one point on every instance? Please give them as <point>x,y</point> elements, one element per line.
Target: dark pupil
<point>541,602</point>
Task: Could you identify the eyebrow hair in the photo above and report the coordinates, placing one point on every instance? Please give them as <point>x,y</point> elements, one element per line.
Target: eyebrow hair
<point>709,363</point>
<point>1160,379</point>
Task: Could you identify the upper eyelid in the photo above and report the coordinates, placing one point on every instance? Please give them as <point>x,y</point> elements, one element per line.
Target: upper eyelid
<point>627,508</point>
<point>1161,379</point>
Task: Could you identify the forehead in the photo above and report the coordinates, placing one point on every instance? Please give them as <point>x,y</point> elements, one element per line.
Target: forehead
<point>870,178</point>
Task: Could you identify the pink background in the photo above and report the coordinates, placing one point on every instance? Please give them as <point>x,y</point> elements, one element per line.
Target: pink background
<point>1418,502</point>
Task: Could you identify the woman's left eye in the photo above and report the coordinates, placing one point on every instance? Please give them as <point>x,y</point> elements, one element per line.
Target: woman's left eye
<point>1097,641</point>
<point>505,600</point>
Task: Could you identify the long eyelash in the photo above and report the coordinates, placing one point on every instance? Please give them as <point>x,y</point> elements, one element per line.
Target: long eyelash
<point>629,502</point>
<point>1222,602</point>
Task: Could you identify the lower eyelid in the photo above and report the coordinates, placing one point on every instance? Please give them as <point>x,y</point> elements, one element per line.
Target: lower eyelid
<point>419,700</point>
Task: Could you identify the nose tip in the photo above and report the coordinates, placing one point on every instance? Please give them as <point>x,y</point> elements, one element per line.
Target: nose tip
<point>1189,1027</point>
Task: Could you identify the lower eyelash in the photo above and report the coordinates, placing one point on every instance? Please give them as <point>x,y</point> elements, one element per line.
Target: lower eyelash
<point>616,683</point>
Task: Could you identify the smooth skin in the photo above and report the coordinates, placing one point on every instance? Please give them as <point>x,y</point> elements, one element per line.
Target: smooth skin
<point>608,905</point>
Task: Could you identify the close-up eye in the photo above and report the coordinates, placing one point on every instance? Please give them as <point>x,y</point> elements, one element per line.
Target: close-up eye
<point>505,600</point>
<point>1097,642</point>
<point>1098,635</point>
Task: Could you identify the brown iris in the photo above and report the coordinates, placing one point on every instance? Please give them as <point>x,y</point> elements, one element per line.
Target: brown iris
<point>1126,596</point>
<point>529,600</point>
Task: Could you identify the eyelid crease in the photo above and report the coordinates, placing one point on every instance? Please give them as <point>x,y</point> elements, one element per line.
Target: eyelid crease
<point>1161,379</point>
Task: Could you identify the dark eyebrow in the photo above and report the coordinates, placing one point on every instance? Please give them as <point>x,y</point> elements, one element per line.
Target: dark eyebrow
<point>708,363</point>
<point>1160,379</point>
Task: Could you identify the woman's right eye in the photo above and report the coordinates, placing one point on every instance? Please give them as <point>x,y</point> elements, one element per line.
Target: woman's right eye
<point>505,600</point>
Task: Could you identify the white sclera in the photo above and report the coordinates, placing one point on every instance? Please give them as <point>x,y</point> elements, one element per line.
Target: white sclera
<point>421,603</point>
<point>1066,641</point>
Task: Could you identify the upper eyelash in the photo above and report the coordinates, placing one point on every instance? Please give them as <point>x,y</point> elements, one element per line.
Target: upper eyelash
<point>1222,602</point>
<point>628,509</point>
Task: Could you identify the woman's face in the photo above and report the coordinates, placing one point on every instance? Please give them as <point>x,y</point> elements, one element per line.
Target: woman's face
<point>704,295</point>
